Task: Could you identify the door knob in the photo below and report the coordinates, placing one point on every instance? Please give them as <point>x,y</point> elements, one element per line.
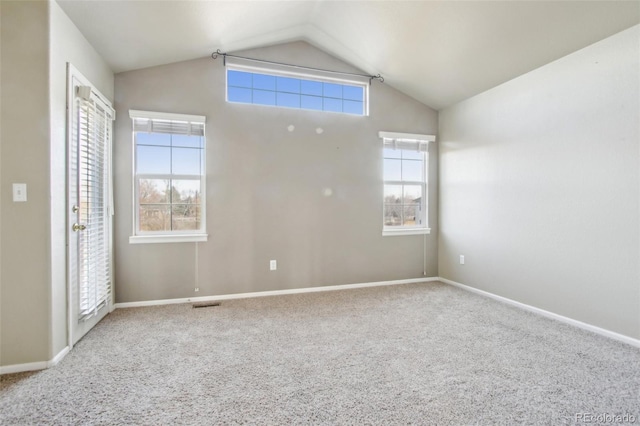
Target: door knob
<point>77,227</point>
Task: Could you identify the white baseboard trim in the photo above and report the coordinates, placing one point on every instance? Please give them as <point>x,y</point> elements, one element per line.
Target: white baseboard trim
<point>592,328</point>
<point>34,366</point>
<point>271,293</point>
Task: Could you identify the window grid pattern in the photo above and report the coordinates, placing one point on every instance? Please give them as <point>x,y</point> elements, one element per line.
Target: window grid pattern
<point>169,173</point>
<point>404,188</point>
<point>288,92</point>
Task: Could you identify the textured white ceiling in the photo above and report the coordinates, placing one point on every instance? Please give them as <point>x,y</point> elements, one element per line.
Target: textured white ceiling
<point>438,52</point>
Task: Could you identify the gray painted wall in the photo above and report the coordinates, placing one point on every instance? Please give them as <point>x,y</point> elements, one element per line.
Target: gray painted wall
<point>540,187</point>
<point>265,188</point>
<point>24,130</point>
<point>37,41</point>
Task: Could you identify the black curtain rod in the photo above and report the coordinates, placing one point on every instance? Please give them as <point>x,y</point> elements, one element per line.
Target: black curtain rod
<point>217,53</point>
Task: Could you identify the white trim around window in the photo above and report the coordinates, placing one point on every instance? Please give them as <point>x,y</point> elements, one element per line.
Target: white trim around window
<point>405,175</point>
<point>169,177</point>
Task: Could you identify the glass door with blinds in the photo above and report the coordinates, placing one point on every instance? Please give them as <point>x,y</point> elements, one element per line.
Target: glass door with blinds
<point>89,205</point>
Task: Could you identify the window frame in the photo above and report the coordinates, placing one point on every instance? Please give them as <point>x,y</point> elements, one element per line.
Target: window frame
<point>167,236</point>
<point>317,76</point>
<point>408,142</point>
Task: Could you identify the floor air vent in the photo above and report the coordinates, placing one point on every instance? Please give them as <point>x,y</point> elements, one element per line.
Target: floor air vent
<point>206,304</point>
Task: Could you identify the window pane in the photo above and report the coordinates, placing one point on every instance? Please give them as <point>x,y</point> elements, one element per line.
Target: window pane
<point>153,191</point>
<point>285,84</point>
<point>411,215</point>
<point>334,105</point>
<point>265,82</point>
<point>308,87</point>
<point>153,160</point>
<point>143,138</point>
<point>391,153</point>
<point>412,194</point>
<point>238,78</point>
<point>236,94</point>
<point>392,169</point>
<point>311,102</point>
<point>393,194</point>
<point>412,170</point>
<point>187,141</point>
<point>353,93</point>
<point>185,191</point>
<point>353,107</point>
<point>263,97</point>
<point>155,217</point>
<point>185,217</point>
<point>186,161</point>
<point>288,100</point>
<point>409,154</point>
<point>392,215</point>
<point>332,90</point>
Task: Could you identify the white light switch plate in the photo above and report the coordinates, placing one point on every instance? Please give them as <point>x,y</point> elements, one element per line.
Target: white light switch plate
<point>19,192</point>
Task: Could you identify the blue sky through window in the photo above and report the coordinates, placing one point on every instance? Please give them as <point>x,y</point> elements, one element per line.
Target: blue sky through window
<point>263,89</point>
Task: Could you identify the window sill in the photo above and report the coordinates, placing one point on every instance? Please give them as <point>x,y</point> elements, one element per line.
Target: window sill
<point>405,231</point>
<point>154,239</point>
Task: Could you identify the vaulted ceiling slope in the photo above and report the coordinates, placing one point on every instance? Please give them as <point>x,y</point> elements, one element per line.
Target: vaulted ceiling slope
<point>438,52</point>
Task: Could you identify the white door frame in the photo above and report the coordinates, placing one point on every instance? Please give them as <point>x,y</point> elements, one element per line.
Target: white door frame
<point>75,328</point>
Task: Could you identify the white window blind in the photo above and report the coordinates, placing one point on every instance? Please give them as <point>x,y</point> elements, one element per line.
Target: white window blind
<point>93,123</point>
<point>406,141</point>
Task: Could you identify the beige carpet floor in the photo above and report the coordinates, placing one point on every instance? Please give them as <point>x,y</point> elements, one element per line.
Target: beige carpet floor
<point>410,354</point>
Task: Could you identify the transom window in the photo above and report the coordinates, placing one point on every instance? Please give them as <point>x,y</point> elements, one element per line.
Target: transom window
<point>169,168</point>
<point>405,162</point>
<point>292,91</point>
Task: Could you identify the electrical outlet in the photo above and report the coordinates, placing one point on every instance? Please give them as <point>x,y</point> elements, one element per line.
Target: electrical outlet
<point>196,289</point>
<point>273,265</point>
<point>462,259</point>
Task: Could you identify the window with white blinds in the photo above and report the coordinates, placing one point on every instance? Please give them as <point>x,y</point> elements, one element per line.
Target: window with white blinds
<point>93,129</point>
<point>169,177</point>
<point>405,171</point>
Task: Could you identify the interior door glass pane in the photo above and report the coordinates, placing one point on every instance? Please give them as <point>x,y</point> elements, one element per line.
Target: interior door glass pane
<point>153,191</point>
<point>392,169</point>
<point>155,217</point>
<point>186,161</point>
<point>412,170</point>
<point>153,160</point>
<point>187,141</point>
